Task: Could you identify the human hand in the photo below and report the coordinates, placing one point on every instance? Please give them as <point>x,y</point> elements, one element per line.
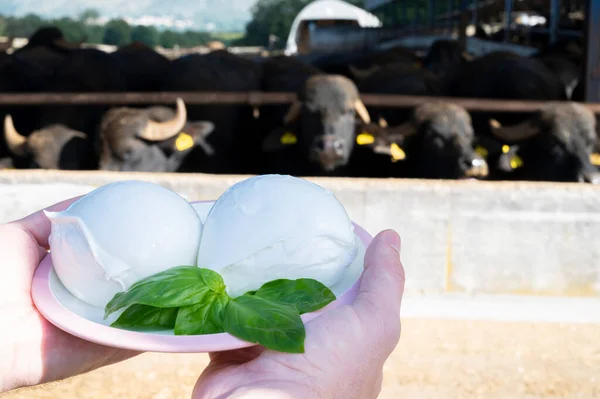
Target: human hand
<point>32,350</point>
<point>345,349</point>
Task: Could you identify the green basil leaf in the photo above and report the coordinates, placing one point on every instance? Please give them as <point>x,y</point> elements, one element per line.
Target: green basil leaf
<point>306,294</point>
<point>174,287</point>
<point>276,326</point>
<point>143,317</point>
<point>202,318</point>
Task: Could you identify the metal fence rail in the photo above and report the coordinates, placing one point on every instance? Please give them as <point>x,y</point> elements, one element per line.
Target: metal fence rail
<point>261,98</point>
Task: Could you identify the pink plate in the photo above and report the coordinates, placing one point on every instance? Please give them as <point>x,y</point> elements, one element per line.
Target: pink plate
<point>77,318</point>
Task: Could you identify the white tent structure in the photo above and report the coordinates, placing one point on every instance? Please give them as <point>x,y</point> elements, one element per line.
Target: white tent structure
<point>326,11</point>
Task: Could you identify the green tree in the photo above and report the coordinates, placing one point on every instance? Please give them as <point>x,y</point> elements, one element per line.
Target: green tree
<point>73,31</point>
<point>146,34</point>
<point>90,13</point>
<point>25,26</point>
<point>168,39</point>
<point>192,38</point>
<point>117,32</point>
<point>2,26</point>
<point>271,17</point>
<point>95,34</point>
<point>274,17</point>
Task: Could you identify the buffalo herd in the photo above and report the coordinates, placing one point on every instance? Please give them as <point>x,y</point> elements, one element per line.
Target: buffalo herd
<point>326,131</point>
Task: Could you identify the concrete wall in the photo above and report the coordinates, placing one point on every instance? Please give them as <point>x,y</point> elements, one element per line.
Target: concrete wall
<point>475,237</point>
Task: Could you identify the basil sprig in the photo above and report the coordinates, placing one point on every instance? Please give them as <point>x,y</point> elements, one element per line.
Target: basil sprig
<point>193,301</point>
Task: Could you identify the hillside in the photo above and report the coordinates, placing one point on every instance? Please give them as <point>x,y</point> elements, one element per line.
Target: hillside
<point>226,15</point>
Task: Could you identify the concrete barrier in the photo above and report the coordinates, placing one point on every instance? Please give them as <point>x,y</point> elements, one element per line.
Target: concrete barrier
<point>458,236</point>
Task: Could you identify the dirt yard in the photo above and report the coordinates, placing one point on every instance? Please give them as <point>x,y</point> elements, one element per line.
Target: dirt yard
<point>435,359</point>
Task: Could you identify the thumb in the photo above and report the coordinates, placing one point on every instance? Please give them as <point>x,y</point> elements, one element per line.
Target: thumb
<point>380,293</point>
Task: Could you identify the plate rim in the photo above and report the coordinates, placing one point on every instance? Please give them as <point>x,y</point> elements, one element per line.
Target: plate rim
<point>66,320</point>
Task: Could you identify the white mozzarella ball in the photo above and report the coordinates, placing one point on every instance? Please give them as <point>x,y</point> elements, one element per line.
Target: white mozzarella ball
<point>273,226</point>
<point>119,234</point>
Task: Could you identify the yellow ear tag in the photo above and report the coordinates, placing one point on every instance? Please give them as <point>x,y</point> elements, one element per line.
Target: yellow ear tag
<point>288,138</point>
<point>595,159</point>
<point>365,138</point>
<point>481,151</point>
<point>505,148</point>
<point>516,162</point>
<point>397,152</point>
<point>184,141</point>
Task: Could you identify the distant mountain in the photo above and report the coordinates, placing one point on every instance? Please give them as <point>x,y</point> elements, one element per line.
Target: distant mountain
<point>226,15</point>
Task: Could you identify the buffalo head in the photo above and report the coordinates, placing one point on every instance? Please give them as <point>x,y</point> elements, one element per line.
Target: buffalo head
<point>150,140</point>
<point>555,144</point>
<point>53,147</point>
<point>437,142</point>
<point>322,121</point>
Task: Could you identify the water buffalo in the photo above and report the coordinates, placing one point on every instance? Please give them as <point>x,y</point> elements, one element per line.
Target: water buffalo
<point>144,68</point>
<point>152,140</point>
<point>400,79</point>
<point>358,64</point>
<point>504,75</point>
<point>444,59</point>
<point>219,71</point>
<point>555,144</point>
<point>84,70</point>
<point>279,74</point>
<point>29,70</point>
<point>567,71</point>
<point>435,143</point>
<point>321,124</point>
<point>53,147</point>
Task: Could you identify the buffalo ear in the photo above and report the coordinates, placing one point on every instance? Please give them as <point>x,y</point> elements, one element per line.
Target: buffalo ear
<point>509,160</point>
<point>192,134</point>
<point>201,129</point>
<point>195,133</point>
<point>383,140</point>
<point>281,137</point>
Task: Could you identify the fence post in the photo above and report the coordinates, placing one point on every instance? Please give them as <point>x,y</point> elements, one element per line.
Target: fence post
<point>591,74</point>
<point>554,18</point>
<point>508,7</point>
<point>462,26</point>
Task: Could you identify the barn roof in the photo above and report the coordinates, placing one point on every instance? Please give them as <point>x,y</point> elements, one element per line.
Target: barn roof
<point>329,9</point>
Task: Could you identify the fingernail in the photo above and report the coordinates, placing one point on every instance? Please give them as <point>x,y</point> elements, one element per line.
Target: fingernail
<point>393,239</point>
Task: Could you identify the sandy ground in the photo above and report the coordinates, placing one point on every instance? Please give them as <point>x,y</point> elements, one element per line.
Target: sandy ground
<point>435,359</point>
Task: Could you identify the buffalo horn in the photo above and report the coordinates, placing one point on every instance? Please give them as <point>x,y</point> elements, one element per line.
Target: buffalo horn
<point>363,73</point>
<point>15,141</point>
<point>159,131</point>
<point>518,132</point>
<point>293,112</point>
<point>361,110</point>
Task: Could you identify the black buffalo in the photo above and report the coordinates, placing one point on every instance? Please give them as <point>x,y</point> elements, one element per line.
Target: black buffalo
<point>144,68</point>
<point>358,64</point>
<point>30,69</point>
<point>155,139</point>
<point>53,147</point>
<point>219,71</point>
<point>437,142</point>
<point>445,58</point>
<point>279,74</point>
<point>321,125</point>
<point>555,144</point>
<point>400,79</point>
<point>51,37</point>
<point>88,71</point>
